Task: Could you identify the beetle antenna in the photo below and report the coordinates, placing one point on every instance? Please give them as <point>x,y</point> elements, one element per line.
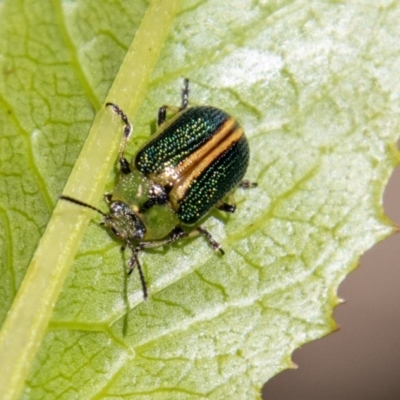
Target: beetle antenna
<point>81,203</point>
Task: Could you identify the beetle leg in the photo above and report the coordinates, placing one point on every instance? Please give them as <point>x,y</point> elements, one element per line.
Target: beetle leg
<point>245,184</point>
<point>123,163</point>
<point>107,197</point>
<point>185,94</point>
<point>162,115</point>
<point>228,208</point>
<point>162,111</point>
<point>133,263</point>
<point>231,206</point>
<point>179,233</point>
<point>211,241</point>
<point>175,234</point>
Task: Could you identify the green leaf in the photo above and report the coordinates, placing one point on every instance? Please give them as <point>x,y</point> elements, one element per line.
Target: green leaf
<point>316,87</point>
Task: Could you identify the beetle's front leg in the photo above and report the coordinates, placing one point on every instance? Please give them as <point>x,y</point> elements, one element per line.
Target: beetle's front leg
<point>162,113</point>
<point>134,262</point>
<point>174,235</point>
<point>179,233</point>
<point>123,163</point>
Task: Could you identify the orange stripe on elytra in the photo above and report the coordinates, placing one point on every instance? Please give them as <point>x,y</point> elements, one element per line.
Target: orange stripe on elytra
<point>201,159</point>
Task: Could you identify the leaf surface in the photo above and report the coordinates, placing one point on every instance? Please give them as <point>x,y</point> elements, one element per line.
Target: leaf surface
<point>315,84</point>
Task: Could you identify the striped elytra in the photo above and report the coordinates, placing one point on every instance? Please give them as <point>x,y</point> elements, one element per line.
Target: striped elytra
<point>200,156</point>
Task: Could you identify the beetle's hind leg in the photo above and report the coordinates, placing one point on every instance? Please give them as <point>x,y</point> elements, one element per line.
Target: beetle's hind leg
<point>231,206</point>
<point>207,235</point>
<point>228,207</point>
<point>246,184</point>
<point>123,163</point>
<point>176,234</point>
<point>162,111</point>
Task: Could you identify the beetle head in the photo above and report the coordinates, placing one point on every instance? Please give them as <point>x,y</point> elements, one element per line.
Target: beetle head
<point>124,222</point>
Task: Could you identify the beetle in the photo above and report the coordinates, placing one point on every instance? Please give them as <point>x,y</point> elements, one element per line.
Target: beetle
<point>192,164</point>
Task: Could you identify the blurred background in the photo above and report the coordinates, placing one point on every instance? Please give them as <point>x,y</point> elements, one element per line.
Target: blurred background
<point>361,360</point>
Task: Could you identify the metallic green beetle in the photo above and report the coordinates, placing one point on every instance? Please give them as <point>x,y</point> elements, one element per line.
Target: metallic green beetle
<point>192,164</point>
